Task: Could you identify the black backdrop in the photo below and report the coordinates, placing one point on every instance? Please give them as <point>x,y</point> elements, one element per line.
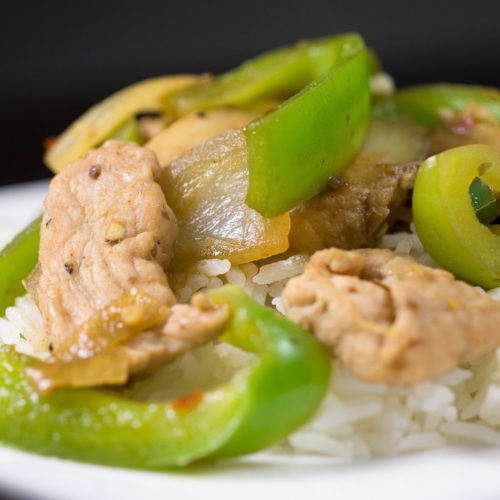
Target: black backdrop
<point>59,57</point>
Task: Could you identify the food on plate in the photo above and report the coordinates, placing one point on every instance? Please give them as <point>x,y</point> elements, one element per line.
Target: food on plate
<point>274,392</point>
<point>17,260</point>
<point>355,208</point>
<point>445,218</point>
<point>112,117</point>
<point>107,230</point>
<point>205,280</point>
<point>206,189</point>
<point>389,318</point>
<point>474,125</point>
<point>425,104</point>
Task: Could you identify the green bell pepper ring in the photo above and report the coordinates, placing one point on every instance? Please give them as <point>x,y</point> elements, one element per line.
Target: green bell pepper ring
<point>422,103</point>
<point>17,260</point>
<point>444,214</point>
<point>290,375</point>
<point>278,391</point>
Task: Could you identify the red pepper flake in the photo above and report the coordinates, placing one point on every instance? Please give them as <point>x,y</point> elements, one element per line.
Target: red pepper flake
<point>49,142</point>
<point>194,399</point>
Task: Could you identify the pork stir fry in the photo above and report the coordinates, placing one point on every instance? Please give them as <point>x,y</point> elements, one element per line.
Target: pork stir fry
<point>390,318</point>
<point>356,208</point>
<point>474,125</point>
<point>107,230</point>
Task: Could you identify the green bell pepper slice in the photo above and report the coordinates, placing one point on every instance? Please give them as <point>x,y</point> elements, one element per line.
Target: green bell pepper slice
<point>444,215</point>
<point>279,73</point>
<point>17,260</point>
<point>423,102</point>
<point>128,131</point>
<point>290,375</point>
<point>278,391</point>
<point>294,149</point>
<point>484,201</point>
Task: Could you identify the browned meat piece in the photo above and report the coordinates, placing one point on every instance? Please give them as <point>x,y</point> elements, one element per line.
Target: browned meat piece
<point>390,318</point>
<point>355,209</point>
<point>475,125</point>
<point>107,228</point>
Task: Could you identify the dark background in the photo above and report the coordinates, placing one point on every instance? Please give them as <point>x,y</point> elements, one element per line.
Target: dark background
<point>60,57</point>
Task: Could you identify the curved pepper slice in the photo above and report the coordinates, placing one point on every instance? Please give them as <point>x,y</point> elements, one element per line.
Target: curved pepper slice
<point>287,381</point>
<point>294,150</point>
<point>423,102</point>
<point>278,391</point>
<point>17,260</point>
<point>279,73</point>
<point>444,215</point>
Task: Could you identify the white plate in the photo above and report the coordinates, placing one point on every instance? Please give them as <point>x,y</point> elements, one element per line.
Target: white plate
<point>458,472</point>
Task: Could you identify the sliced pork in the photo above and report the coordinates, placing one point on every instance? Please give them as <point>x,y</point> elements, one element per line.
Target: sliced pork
<point>390,318</point>
<point>107,229</point>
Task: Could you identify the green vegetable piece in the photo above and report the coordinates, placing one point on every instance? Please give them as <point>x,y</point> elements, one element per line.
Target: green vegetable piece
<point>276,74</point>
<point>483,199</point>
<point>423,102</point>
<point>293,151</point>
<point>286,382</point>
<point>17,260</point>
<point>128,132</point>
<point>278,391</point>
<point>444,216</point>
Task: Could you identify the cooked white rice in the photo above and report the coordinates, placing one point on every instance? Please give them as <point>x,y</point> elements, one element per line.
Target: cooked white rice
<point>357,420</point>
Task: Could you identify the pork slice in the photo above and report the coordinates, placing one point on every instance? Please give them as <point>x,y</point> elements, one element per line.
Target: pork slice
<point>188,326</point>
<point>355,209</point>
<point>107,229</point>
<point>390,318</point>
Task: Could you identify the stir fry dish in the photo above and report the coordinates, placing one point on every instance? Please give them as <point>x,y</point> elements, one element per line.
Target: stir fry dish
<point>294,254</point>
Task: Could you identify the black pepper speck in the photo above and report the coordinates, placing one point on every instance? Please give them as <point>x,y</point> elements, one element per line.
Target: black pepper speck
<point>94,171</point>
